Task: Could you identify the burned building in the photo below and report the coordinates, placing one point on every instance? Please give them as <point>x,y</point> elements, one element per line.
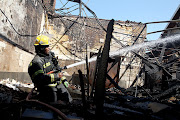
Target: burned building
<point>85,32</point>
<point>17,35</point>
<point>118,82</point>
<point>87,35</point>
<point>172,49</point>
<point>163,71</point>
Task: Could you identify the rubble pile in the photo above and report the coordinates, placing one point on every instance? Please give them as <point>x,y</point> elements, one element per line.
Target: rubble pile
<point>143,107</point>
<point>14,84</point>
<point>116,105</point>
<point>12,91</point>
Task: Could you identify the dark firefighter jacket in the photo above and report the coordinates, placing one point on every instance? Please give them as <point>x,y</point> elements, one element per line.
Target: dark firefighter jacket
<point>40,66</point>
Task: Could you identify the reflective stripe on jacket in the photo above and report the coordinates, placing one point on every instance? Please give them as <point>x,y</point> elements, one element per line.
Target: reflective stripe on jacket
<point>38,69</point>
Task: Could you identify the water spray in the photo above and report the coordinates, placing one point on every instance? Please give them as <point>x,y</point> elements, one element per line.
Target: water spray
<point>154,43</point>
<point>135,47</point>
<point>81,62</point>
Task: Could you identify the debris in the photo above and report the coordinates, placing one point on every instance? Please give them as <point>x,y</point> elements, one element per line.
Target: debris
<point>15,85</point>
<point>156,107</point>
<point>4,98</point>
<point>34,114</point>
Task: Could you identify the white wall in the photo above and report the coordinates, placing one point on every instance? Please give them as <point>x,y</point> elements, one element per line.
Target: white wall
<point>13,59</point>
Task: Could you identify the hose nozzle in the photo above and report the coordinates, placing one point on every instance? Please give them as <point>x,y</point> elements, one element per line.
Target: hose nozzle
<point>65,67</point>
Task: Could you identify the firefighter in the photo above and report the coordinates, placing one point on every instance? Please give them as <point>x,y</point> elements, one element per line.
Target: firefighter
<point>52,87</point>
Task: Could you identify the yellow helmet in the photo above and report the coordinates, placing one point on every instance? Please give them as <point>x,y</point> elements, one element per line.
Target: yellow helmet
<point>42,40</point>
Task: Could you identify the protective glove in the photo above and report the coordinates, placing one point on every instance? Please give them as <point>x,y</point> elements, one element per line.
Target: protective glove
<point>60,75</point>
<point>66,84</point>
<point>63,78</point>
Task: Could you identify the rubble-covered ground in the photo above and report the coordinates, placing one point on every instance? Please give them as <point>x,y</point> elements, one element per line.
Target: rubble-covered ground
<point>12,91</point>
<point>13,105</point>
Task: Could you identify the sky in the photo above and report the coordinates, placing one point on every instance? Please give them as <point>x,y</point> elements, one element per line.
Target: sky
<point>133,10</point>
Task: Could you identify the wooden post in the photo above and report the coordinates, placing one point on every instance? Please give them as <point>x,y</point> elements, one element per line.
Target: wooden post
<point>87,68</point>
<point>102,72</point>
<point>83,93</point>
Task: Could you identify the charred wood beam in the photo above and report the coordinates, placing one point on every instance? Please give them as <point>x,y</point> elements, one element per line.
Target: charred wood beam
<point>117,75</point>
<point>147,62</point>
<point>164,83</point>
<point>78,1</point>
<point>117,60</point>
<point>162,53</point>
<point>102,71</point>
<point>139,35</point>
<point>169,63</point>
<point>96,70</point>
<point>154,55</point>
<point>122,109</point>
<point>164,30</point>
<point>127,67</point>
<point>167,92</point>
<point>139,75</point>
<point>116,85</point>
<point>87,68</point>
<point>114,63</point>
<point>118,70</point>
<point>147,92</point>
<point>83,92</point>
<point>132,52</point>
<point>171,21</point>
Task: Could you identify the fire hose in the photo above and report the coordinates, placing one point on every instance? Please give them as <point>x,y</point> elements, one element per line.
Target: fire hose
<point>47,105</point>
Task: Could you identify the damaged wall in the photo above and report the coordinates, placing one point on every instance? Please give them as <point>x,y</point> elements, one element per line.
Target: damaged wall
<point>14,62</point>
<point>84,31</point>
<point>16,50</point>
<point>130,31</point>
<point>13,59</point>
<point>76,39</point>
<point>25,16</point>
<point>31,21</point>
<point>87,31</point>
<point>167,54</point>
<point>50,5</point>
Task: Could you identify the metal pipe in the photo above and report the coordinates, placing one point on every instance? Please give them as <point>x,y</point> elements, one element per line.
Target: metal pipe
<point>163,30</point>
<point>163,21</point>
